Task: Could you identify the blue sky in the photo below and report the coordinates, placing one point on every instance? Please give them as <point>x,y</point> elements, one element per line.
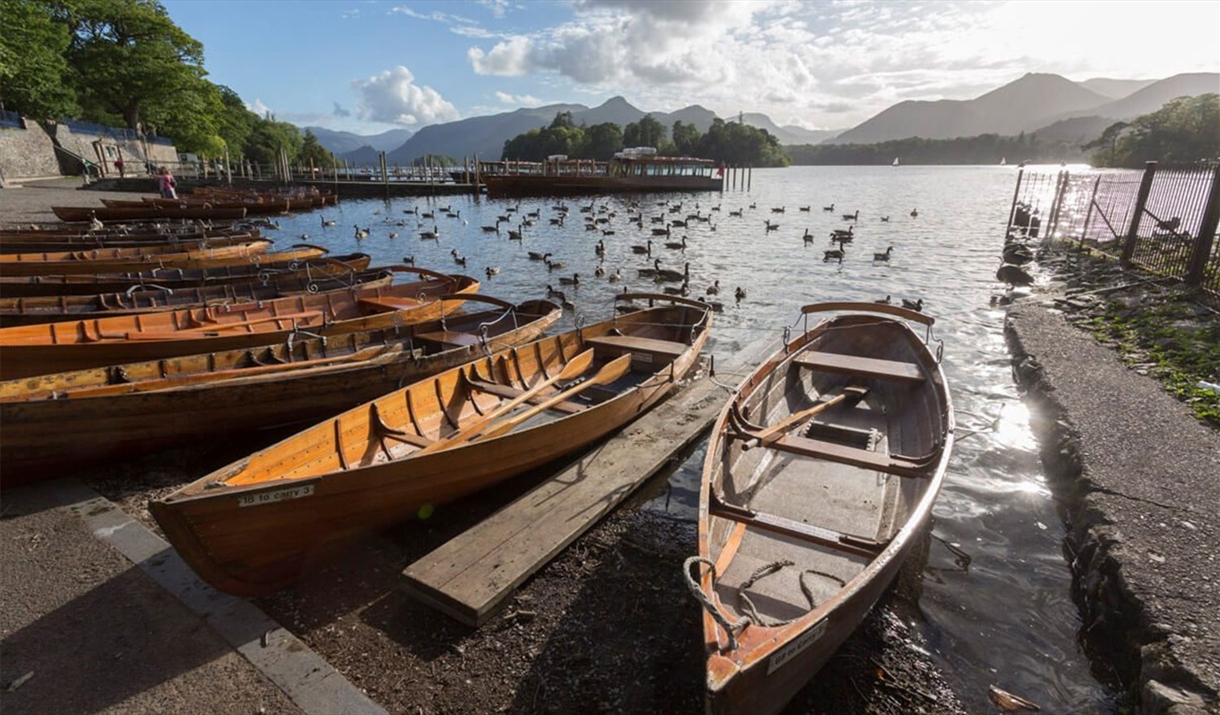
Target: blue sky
<point>368,66</point>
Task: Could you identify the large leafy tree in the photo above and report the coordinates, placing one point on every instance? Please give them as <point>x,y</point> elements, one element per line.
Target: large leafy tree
<point>33,69</point>
<point>601,141</point>
<point>311,150</point>
<point>269,136</point>
<point>1185,130</point>
<point>646,132</point>
<point>235,123</point>
<point>686,138</point>
<point>130,59</point>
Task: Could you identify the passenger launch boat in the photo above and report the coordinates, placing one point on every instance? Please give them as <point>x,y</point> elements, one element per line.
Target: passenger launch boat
<point>254,526</point>
<point>820,473</point>
<point>636,169</point>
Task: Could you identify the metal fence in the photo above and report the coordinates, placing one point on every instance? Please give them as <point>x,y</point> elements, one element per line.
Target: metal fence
<point>1163,220</point>
<point>11,119</point>
<point>80,126</point>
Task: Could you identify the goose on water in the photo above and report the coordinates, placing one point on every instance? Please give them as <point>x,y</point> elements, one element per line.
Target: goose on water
<point>914,213</point>
<point>660,231</point>
<point>885,219</point>
<point>492,271</point>
<point>651,272</point>
<point>327,222</point>
<point>714,289</point>
<point>883,256</point>
<point>600,271</point>
<point>536,256</point>
<point>833,254</point>
<point>361,232</point>
<point>852,217</point>
<point>829,208</point>
<point>808,237</point>
<point>779,210</point>
<point>552,293</point>
<point>771,226</point>
<point>666,275</point>
<point>883,301</point>
<point>554,265</point>
<point>574,280</point>
<point>646,250</point>
<point>677,245</point>
<point>803,208</point>
<point>915,305</point>
<point>515,235</point>
<point>616,276</point>
<point>740,294</point>
<point>600,248</point>
<point>434,233</point>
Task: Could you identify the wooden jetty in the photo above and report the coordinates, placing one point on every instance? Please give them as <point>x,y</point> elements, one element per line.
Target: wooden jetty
<point>471,576</point>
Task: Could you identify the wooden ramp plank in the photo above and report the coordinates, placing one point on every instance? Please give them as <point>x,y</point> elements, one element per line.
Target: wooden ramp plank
<point>471,575</point>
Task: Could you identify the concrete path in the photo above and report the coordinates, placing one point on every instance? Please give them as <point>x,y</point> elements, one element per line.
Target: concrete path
<point>1141,480</point>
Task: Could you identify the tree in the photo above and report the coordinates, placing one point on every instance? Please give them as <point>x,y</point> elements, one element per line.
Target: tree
<point>601,141</point>
<point>128,54</point>
<point>311,150</point>
<point>1184,130</point>
<point>33,70</point>
<point>686,138</point>
<point>234,122</point>
<point>268,137</point>
<point>646,132</point>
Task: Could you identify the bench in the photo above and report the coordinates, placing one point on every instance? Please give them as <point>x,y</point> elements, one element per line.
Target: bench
<point>649,353</point>
<point>873,368</point>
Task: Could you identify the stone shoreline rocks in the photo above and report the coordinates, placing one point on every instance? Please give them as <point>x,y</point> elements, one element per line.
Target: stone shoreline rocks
<point>1139,480</point>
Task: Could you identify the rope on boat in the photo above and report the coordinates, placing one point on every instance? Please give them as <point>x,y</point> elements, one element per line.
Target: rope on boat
<point>747,606</point>
<point>696,589</point>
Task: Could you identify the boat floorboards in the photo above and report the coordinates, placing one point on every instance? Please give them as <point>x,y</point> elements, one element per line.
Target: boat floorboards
<point>473,574</point>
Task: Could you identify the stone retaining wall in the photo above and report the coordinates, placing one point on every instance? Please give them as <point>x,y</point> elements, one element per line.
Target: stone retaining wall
<point>27,153</point>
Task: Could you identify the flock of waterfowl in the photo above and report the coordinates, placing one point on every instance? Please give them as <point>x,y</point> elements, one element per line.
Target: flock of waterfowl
<point>663,229</point>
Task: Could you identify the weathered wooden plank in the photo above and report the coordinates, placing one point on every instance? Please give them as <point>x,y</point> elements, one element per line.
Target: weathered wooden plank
<point>471,575</point>
<point>862,366</point>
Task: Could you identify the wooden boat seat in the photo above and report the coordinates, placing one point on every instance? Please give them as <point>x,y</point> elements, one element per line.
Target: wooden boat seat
<point>451,339</point>
<point>647,353</point>
<point>784,526</point>
<point>509,392</point>
<point>862,366</point>
<point>386,304</point>
<point>854,456</point>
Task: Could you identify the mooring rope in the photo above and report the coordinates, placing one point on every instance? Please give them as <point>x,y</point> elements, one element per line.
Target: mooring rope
<point>696,589</point>
<point>747,606</point>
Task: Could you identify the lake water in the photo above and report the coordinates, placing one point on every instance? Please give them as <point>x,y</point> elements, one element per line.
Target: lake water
<point>996,602</point>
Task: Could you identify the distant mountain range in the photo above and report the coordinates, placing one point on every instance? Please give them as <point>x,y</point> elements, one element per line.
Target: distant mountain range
<point>1029,104</point>
<point>1053,106</point>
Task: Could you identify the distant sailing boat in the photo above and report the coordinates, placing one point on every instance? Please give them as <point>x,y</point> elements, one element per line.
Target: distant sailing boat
<point>1003,161</point>
<point>895,161</point>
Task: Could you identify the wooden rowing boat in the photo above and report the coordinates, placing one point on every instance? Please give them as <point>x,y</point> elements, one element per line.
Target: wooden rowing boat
<point>86,417</point>
<point>146,299</point>
<point>176,278</point>
<point>190,258</point>
<point>139,213</point>
<point>74,345</point>
<point>821,471</point>
<point>255,526</point>
<point>30,244</point>
<point>126,253</point>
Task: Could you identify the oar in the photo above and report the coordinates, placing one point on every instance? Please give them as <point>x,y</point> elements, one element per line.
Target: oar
<point>612,371</point>
<point>576,367</point>
<point>770,434</point>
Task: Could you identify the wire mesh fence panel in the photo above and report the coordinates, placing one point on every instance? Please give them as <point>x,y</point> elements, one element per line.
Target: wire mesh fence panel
<point>1172,216</point>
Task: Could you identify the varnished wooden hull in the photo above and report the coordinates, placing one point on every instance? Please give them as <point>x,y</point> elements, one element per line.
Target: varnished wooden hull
<point>74,345</point>
<point>839,498</point>
<point>254,538</point>
<point>28,311</point>
<point>101,213</point>
<point>175,278</point>
<point>87,417</point>
<point>198,239</point>
<point>242,254</point>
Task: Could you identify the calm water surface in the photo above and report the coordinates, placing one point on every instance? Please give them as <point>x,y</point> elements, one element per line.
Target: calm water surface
<point>996,599</point>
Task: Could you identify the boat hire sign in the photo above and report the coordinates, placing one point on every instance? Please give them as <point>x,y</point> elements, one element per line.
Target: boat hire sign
<point>278,495</point>
<point>796,646</point>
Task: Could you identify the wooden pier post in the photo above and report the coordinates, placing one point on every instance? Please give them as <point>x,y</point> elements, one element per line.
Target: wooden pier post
<point>385,176</point>
<point>228,168</point>
<point>750,177</point>
<point>1061,188</point>
<point>1088,215</point>
<point>1016,191</point>
<point>1207,233</point>
<point>1141,200</point>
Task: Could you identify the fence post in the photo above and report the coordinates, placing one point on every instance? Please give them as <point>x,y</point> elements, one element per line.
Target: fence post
<point>1133,232</point>
<point>1012,210</point>
<point>1060,193</point>
<point>1207,233</point>
<point>1088,215</point>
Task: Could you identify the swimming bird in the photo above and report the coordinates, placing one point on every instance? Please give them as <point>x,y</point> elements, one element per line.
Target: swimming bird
<point>460,260</point>
<point>739,213</point>
<point>883,256</point>
<point>682,290</point>
<point>492,229</point>
<point>779,210</point>
<point>754,205</point>
<point>885,219</point>
<point>914,213</point>
<point>408,260</point>
<point>840,234</point>
<point>660,231</point>
<point>829,208</point>
<point>651,272</point>
<point>915,305</point>
<point>599,271</point>
<point>616,276</point>
<point>361,232</point>
<point>554,265</point>
<point>883,301</point>
<point>740,294</point>
<point>515,235</point>
<point>646,250</point>
<point>803,208</point>
<point>304,236</point>
<point>676,245</point>
<point>552,293</point>
<point>836,253</point>
<point>666,275</point>
<point>771,226</point>
<point>852,217</point>
<point>536,256</point>
<point>393,234</point>
<point>327,222</point>
<point>808,237</point>
<point>492,271</point>
<point>714,289</point>
<point>574,280</point>
<point>434,233</point>
<point>600,248</point>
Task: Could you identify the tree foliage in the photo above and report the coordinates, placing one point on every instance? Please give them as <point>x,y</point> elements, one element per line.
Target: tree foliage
<point>982,149</point>
<point>730,143</point>
<point>1184,130</point>
<point>34,74</point>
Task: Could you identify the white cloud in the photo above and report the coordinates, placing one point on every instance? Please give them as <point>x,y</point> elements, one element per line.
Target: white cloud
<point>393,97</point>
<point>498,8</point>
<point>521,100</point>
<point>351,14</point>
<point>258,107</point>
<point>511,58</point>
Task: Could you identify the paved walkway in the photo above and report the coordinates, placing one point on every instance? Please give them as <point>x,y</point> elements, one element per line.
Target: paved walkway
<point>1142,478</point>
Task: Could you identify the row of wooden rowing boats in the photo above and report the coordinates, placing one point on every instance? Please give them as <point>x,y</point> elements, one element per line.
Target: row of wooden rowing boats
<point>213,203</point>
<point>821,471</point>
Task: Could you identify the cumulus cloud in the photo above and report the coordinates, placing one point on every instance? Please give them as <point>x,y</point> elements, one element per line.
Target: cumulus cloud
<point>394,98</point>
<point>340,111</point>
<point>511,58</point>
<point>258,107</point>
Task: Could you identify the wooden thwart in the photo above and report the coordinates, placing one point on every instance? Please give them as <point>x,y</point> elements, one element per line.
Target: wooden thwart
<point>861,366</point>
<point>473,574</point>
<point>847,543</point>
<point>853,456</point>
